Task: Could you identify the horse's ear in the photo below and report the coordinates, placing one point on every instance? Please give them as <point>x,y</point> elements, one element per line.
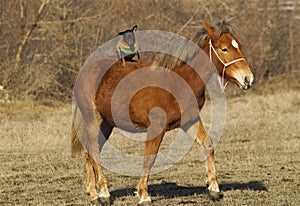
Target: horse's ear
<point>210,30</point>
<point>134,28</point>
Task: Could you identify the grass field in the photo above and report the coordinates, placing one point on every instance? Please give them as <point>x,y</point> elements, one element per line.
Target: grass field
<point>257,158</point>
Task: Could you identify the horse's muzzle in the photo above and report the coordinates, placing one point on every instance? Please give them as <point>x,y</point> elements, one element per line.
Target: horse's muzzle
<point>247,83</point>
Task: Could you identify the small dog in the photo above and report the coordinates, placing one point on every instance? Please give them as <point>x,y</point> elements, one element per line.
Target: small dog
<point>127,47</point>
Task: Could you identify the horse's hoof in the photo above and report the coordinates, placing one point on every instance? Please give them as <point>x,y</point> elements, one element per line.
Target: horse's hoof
<point>215,196</point>
<point>95,200</point>
<point>104,199</point>
<point>145,201</point>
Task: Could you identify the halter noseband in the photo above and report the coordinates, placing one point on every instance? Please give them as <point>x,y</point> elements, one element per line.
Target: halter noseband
<point>211,48</point>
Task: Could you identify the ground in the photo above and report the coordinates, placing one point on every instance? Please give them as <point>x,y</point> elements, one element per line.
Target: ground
<point>257,157</point>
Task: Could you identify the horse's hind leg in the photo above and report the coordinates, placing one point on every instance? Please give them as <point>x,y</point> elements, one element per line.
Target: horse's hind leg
<point>90,178</point>
<point>94,171</point>
<point>92,160</point>
<point>106,130</point>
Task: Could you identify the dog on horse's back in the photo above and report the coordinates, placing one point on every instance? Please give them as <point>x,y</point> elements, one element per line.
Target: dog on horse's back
<point>127,48</point>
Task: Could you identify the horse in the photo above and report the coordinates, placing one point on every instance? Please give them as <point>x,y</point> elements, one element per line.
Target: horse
<point>93,117</point>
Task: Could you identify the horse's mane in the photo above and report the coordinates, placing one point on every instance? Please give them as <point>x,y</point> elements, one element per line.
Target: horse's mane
<point>184,53</point>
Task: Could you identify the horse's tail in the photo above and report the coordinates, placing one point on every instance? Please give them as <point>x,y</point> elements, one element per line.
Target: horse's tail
<point>76,144</point>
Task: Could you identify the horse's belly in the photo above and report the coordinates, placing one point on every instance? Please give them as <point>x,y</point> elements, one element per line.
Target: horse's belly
<point>125,104</point>
<point>136,111</point>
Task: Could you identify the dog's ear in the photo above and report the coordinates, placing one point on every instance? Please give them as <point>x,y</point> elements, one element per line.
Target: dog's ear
<point>122,32</point>
<point>134,28</point>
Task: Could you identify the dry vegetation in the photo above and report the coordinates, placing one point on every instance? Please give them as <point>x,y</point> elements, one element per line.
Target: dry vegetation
<point>45,42</point>
<point>257,157</point>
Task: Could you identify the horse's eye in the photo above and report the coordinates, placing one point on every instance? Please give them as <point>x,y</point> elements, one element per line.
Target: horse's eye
<point>224,50</point>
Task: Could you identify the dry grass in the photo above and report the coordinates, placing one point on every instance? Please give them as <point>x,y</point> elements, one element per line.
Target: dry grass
<point>257,157</point>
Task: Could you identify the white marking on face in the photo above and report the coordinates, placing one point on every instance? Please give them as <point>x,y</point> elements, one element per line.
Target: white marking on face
<point>235,44</point>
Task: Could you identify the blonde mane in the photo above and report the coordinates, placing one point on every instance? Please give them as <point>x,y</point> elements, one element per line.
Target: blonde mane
<point>185,53</point>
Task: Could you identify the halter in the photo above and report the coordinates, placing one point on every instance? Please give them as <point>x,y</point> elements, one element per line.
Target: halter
<point>222,84</point>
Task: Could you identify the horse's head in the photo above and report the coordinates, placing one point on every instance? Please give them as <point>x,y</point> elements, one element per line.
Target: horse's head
<point>129,37</point>
<point>226,54</point>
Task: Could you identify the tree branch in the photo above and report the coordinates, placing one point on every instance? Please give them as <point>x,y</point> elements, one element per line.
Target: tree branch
<point>28,33</point>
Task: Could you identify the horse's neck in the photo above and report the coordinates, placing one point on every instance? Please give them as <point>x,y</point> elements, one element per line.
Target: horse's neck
<point>202,65</point>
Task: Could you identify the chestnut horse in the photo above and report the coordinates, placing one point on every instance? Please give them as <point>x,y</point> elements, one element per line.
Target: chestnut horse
<point>93,117</point>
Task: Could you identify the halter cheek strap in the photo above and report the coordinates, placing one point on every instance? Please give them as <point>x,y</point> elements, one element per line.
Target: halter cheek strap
<point>222,82</point>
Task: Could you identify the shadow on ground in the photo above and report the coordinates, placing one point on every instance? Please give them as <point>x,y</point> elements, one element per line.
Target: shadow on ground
<point>170,190</point>
<point>252,185</point>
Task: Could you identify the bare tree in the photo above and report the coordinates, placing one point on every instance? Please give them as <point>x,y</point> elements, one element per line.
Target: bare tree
<point>30,28</point>
<point>44,45</point>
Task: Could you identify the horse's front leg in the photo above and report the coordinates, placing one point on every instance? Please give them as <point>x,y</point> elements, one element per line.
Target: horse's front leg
<point>150,152</point>
<point>198,132</point>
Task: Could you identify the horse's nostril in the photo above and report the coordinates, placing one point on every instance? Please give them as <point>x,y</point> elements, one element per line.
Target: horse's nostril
<point>247,80</point>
